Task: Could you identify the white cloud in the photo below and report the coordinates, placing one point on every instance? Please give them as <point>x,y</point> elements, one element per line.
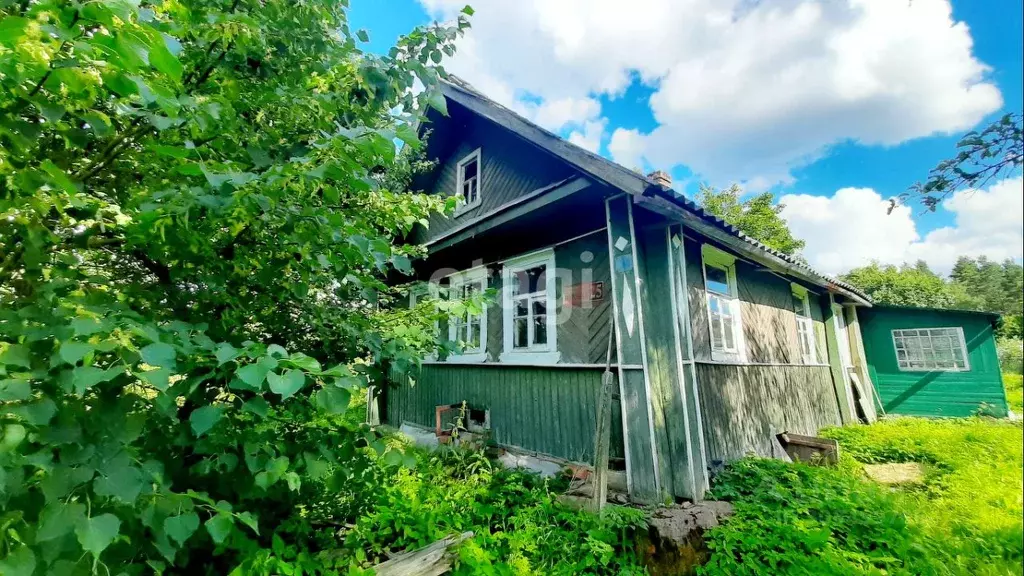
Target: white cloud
<point>851,228</point>
<point>744,90</point>
<point>589,136</point>
<point>626,147</point>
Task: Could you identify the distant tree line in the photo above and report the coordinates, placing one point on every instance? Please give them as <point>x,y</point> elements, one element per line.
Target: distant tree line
<point>974,284</point>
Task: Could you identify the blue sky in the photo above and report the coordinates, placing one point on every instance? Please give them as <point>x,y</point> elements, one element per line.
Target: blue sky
<point>920,90</point>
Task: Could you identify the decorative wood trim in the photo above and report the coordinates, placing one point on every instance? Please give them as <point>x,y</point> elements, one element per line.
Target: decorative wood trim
<point>680,365</point>
<point>702,466</point>
<point>618,344</point>
<point>642,333</point>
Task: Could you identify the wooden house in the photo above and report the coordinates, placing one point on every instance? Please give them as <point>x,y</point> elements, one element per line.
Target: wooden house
<point>718,342</point>
<point>932,362</point>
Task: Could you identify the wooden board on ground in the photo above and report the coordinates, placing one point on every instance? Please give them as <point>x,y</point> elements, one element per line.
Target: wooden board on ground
<point>432,560</point>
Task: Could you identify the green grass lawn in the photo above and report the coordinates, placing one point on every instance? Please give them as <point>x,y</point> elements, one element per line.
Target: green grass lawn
<point>1014,384</point>
<point>965,517</point>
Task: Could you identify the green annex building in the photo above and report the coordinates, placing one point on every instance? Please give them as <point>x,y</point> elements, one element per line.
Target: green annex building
<point>931,362</point>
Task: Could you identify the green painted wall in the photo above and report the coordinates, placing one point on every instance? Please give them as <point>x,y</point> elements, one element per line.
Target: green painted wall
<point>547,410</point>
<point>951,394</point>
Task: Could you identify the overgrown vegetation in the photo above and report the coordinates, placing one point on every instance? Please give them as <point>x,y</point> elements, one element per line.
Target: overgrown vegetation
<point>965,518</point>
<point>200,201</point>
<point>1014,385</point>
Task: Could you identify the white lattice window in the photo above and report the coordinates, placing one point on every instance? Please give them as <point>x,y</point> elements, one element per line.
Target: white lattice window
<point>725,324</point>
<point>931,349</point>
<point>469,179</point>
<point>804,325</point>
<point>528,298</point>
<point>469,330</point>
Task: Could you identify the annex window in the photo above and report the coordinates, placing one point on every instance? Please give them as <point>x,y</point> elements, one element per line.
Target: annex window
<point>723,305</point>
<point>804,325</point>
<point>469,330</point>
<point>469,178</point>
<point>931,349</point>
<point>528,298</point>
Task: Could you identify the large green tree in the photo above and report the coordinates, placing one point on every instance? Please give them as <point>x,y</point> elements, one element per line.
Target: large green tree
<point>757,216</point>
<point>902,286</point>
<point>199,203</point>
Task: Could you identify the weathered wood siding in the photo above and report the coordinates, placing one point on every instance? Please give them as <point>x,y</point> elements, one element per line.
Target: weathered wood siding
<point>769,323</point>
<point>510,168</point>
<point>547,410</point>
<point>744,406</point>
<point>583,332</point>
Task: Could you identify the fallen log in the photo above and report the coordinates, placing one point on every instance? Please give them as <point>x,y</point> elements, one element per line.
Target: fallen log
<point>432,560</point>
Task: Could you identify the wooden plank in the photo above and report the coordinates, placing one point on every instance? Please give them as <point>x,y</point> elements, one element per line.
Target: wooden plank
<point>602,438</point>
<point>835,361</point>
<point>432,560</point>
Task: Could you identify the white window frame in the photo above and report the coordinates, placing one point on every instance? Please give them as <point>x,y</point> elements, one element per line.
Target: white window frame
<point>538,354</point>
<point>711,256</point>
<point>805,327</point>
<point>474,155</point>
<point>456,281</point>
<point>900,333</point>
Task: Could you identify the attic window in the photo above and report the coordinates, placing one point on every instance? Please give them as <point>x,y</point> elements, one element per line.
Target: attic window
<point>469,178</point>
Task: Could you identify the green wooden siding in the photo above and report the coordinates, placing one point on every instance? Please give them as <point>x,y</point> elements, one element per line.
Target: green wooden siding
<point>951,394</point>
<point>551,411</point>
<point>510,168</point>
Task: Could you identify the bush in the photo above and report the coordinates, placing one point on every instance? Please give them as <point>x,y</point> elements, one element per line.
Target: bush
<point>1014,385</point>
<point>1011,355</point>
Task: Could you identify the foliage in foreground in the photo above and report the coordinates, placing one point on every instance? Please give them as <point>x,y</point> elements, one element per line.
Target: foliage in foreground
<point>965,519</point>
<point>199,203</point>
<point>971,499</point>
<point>1014,385</point>
<point>519,528</point>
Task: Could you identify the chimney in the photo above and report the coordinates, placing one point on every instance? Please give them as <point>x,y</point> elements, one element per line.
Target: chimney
<point>661,177</point>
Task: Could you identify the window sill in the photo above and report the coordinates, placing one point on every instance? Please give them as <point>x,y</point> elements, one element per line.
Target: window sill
<point>474,358</point>
<point>541,358</point>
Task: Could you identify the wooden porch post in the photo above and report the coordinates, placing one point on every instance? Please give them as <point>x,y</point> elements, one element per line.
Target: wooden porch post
<point>835,361</point>
<point>642,474</point>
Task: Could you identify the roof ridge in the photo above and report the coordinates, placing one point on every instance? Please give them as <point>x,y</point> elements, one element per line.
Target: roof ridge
<point>462,85</point>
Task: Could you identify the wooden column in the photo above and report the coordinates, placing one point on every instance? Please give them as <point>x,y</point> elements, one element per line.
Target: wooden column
<point>860,362</point>
<point>642,473</point>
<point>835,361</point>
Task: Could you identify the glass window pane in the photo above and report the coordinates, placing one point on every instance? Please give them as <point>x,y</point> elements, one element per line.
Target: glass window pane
<point>540,330</point>
<point>730,339</point>
<point>469,170</point>
<point>798,306</point>
<point>521,309</point>
<point>519,333</point>
<point>540,306</point>
<point>718,280</point>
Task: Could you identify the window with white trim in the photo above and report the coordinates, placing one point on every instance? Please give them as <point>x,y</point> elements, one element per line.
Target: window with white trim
<point>804,325</point>
<point>931,350</point>
<point>469,330</point>
<point>723,304</point>
<point>469,178</point>
<point>528,299</point>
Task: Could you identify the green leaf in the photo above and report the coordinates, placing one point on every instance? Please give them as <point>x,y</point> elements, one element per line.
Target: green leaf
<point>277,351</point>
<point>159,354</point>
<point>181,527</point>
<point>13,434</point>
<point>121,482</point>
<point>286,384</point>
<point>468,10</point>
<point>12,28</point>
<point>220,526</point>
<point>332,399</point>
<point>21,562</point>
<point>257,406</point>
<point>226,353</point>
<point>14,389</point>
<point>363,36</point>
<point>16,355</point>
<point>402,263</point>
<point>97,533</point>
<point>58,519</point>
<point>393,457</point>
<point>58,176</point>
<point>159,378</point>
<point>204,418</point>
<point>253,375</point>
<point>73,352</point>
<point>249,520</point>
<point>300,360</point>
<point>436,100</point>
<point>87,326</point>
<point>162,59</point>
<point>85,377</point>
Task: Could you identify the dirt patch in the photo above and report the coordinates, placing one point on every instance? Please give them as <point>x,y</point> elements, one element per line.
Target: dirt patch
<point>896,474</point>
